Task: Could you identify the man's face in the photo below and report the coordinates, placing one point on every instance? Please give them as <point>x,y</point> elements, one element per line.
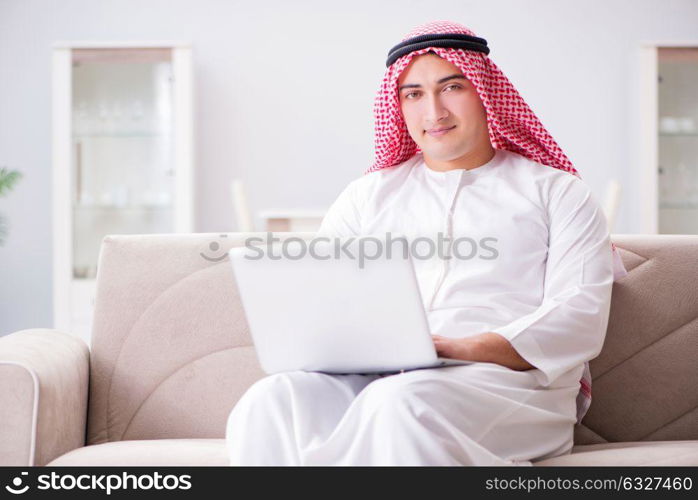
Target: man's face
<point>435,94</point>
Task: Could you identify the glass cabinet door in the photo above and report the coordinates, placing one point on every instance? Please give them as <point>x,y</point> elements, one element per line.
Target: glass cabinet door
<point>122,137</point>
<point>678,140</point>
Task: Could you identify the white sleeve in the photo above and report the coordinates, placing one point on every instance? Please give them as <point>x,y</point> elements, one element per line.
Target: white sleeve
<point>343,218</point>
<point>569,327</point>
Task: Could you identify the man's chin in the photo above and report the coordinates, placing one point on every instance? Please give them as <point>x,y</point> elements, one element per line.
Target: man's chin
<point>444,154</point>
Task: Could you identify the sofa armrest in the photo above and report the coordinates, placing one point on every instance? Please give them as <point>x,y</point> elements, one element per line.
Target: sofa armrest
<point>44,377</point>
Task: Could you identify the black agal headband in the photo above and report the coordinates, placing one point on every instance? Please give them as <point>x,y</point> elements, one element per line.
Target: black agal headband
<point>452,40</point>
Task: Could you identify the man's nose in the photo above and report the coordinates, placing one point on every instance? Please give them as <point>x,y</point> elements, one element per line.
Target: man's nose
<point>436,111</point>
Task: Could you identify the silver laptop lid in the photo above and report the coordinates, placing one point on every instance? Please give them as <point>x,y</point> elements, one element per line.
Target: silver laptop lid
<point>344,305</point>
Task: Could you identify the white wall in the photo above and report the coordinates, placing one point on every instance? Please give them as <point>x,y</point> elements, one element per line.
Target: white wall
<point>284,96</point>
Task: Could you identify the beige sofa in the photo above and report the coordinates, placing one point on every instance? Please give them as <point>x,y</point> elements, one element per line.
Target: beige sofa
<point>171,355</point>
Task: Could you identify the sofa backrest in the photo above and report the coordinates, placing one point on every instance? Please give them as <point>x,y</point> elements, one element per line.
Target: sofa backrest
<point>645,381</point>
<point>171,352</point>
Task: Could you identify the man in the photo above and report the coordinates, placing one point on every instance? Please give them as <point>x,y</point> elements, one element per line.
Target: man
<point>457,152</point>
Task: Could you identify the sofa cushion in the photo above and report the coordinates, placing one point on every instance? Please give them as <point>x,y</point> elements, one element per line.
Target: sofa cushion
<point>644,380</point>
<point>212,452</point>
<point>171,351</point>
<point>151,452</point>
<point>637,453</point>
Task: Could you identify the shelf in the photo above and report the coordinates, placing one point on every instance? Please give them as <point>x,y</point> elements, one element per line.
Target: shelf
<point>120,135</point>
<point>678,134</point>
<point>121,207</point>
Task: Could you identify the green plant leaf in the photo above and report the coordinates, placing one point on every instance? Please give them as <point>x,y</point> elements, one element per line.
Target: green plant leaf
<point>8,179</point>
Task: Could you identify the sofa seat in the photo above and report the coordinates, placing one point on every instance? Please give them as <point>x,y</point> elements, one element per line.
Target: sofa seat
<point>207,452</point>
<point>150,452</point>
<point>635,453</point>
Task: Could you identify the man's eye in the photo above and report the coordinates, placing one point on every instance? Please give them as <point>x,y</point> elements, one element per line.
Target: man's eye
<point>407,96</point>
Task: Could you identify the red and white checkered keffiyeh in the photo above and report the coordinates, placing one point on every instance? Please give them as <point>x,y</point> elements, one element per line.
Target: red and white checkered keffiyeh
<point>512,126</point>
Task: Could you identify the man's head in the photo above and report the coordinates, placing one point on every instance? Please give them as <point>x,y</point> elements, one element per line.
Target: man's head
<point>512,124</point>
<point>434,94</point>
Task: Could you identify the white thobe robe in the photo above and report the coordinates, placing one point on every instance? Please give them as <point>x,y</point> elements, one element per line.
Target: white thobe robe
<point>533,264</point>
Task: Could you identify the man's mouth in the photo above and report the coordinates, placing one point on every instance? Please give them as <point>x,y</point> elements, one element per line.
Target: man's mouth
<point>440,131</point>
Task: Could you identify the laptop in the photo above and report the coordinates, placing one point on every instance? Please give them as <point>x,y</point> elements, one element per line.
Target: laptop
<point>334,305</point>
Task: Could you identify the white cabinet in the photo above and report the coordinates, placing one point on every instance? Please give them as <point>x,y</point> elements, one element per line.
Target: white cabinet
<point>669,178</point>
<point>122,157</point>
<point>678,140</point>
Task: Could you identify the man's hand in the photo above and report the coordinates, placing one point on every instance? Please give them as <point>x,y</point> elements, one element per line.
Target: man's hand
<point>488,347</point>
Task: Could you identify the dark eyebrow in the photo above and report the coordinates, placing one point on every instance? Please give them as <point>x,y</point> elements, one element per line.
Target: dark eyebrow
<point>416,85</point>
